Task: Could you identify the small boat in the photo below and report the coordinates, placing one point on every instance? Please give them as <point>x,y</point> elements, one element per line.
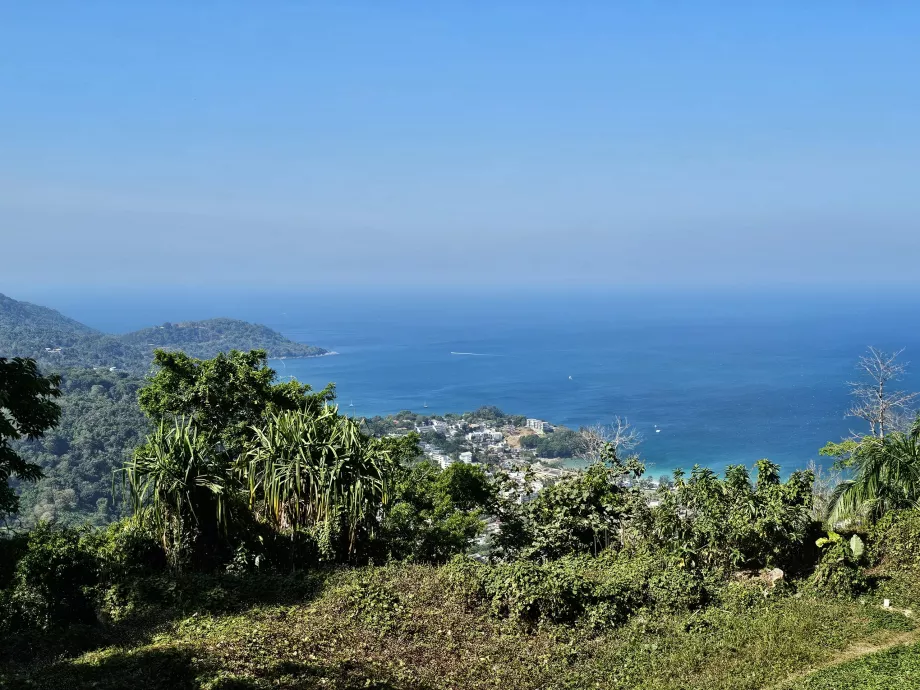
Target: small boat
<point>570,378</point>
<point>657,430</point>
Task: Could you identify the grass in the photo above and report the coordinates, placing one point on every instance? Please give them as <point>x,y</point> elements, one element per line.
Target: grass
<point>403,627</point>
<point>892,669</point>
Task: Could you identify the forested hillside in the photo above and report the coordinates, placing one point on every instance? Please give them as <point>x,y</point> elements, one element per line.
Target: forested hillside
<point>58,342</point>
<point>204,339</point>
<point>100,426</point>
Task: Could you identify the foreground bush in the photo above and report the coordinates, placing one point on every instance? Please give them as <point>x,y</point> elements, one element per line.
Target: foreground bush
<point>735,522</point>
<point>598,591</point>
<point>53,581</point>
<point>839,572</point>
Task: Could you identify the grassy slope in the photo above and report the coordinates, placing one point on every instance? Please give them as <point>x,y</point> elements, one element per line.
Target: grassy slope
<point>402,627</point>
<point>893,669</point>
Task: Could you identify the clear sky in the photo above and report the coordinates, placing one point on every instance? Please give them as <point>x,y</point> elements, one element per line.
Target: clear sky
<point>442,143</point>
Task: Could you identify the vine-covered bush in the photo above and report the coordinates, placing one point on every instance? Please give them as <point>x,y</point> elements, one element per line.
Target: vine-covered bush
<point>598,591</point>
<point>597,509</point>
<point>895,540</point>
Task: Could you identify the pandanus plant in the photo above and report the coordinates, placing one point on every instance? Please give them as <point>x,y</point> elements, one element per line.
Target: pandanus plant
<point>316,470</point>
<point>184,481</point>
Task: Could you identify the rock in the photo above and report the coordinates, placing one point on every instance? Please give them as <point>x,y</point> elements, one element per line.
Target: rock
<point>774,576</point>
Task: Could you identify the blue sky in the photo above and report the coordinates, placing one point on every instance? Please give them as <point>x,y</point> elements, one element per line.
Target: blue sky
<point>451,143</point>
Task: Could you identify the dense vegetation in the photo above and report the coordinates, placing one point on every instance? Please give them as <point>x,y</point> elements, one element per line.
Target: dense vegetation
<point>100,426</point>
<point>562,443</point>
<point>207,338</point>
<point>57,342</point>
<point>273,542</point>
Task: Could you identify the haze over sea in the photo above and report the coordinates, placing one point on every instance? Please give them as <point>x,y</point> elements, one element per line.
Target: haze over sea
<point>728,376</point>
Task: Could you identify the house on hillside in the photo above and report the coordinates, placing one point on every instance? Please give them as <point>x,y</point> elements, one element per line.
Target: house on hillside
<point>539,426</point>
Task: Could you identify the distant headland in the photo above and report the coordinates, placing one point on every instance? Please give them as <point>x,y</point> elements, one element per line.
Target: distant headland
<point>56,341</point>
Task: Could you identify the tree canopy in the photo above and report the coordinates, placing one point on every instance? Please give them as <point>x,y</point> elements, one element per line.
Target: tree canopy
<point>226,395</point>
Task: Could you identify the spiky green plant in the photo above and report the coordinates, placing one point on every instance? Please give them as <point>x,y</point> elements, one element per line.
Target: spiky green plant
<point>886,476</point>
<point>184,482</point>
<point>317,471</point>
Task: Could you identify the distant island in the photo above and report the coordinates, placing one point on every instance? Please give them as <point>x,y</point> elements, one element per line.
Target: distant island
<point>56,341</point>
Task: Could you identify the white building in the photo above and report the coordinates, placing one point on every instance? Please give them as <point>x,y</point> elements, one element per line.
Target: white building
<point>466,457</point>
<point>435,426</point>
<point>538,425</point>
<point>485,436</point>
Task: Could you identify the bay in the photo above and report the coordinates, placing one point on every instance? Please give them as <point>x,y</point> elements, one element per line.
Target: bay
<point>728,376</point>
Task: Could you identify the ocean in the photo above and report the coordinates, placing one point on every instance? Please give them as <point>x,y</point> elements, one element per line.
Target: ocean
<point>728,376</point>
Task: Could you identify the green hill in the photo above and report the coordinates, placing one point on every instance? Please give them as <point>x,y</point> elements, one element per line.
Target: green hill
<point>204,339</point>
<point>58,342</point>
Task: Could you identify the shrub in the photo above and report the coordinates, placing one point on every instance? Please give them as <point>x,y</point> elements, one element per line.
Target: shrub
<point>434,514</point>
<point>733,522</point>
<point>895,540</point>
<point>54,578</point>
<point>374,603</point>
<point>12,549</point>
<point>529,593</point>
<point>128,547</point>
<point>742,597</point>
<point>582,514</point>
<point>127,553</point>
<point>839,572</point>
<point>598,591</point>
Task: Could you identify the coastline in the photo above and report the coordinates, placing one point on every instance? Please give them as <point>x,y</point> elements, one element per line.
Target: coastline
<point>321,354</point>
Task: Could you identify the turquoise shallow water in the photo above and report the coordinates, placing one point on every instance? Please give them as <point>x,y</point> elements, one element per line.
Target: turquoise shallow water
<point>727,377</point>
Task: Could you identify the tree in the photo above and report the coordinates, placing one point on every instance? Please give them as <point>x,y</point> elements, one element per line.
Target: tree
<point>435,514</point>
<point>27,410</point>
<point>619,437</point>
<point>885,463</point>
<point>875,402</point>
<point>886,476</point>
<point>586,513</point>
<point>225,396</point>
<point>825,483</point>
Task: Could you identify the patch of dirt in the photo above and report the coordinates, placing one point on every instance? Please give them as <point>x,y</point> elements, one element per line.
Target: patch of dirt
<point>514,440</point>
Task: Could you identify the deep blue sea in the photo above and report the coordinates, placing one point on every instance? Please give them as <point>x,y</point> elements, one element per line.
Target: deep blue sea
<point>728,376</point>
